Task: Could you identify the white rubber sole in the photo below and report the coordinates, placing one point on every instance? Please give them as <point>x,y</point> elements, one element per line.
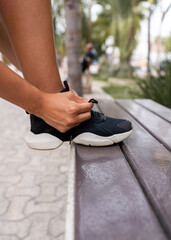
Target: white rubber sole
<point>90,139</point>
<point>46,141</point>
<point>42,141</point>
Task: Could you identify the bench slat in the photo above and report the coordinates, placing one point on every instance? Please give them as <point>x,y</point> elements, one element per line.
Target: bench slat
<point>110,203</point>
<point>157,108</point>
<point>153,123</point>
<point>150,161</point>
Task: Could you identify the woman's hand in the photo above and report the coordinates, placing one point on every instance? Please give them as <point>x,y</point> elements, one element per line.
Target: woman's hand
<point>64,111</point>
<point>61,110</point>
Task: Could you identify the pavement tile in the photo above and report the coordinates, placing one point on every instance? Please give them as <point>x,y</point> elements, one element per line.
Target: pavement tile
<point>56,179</point>
<point>13,179</point>
<point>43,207</point>
<point>8,237</point>
<point>4,204</point>
<point>55,227</point>
<point>19,228</point>
<point>39,228</point>
<point>29,180</point>
<point>15,209</point>
<point>47,193</point>
<point>31,192</point>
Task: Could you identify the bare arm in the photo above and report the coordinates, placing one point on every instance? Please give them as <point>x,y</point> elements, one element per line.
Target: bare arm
<point>61,110</point>
<point>16,90</point>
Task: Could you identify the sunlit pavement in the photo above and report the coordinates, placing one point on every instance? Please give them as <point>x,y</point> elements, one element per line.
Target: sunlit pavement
<point>97,91</point>
<point>33,184</point>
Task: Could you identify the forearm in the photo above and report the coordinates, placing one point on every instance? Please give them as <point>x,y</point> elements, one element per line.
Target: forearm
<point>16,90</point>
<point>31,32</point>
<point>60,110</point>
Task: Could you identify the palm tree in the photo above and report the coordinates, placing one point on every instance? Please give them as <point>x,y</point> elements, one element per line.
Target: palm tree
<point>150,11</point>
<point>122,20</point>
<point>151,8</point>
<point>163,13</point>
<point>73,43</point>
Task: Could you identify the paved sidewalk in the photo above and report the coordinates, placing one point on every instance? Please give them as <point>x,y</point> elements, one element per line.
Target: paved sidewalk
<point>33,184</point>
<point>97,91</point>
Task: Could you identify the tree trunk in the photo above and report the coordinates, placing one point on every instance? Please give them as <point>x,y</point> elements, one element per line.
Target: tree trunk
<point>149,42</point>
<point>89,22</point>
<point>159,46</point>
<point>73,43</point>
<point>159,36</point>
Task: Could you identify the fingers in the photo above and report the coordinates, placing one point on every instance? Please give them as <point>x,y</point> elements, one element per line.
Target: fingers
<point>74,96</point>
<point>62,111</point>
<point>77,120</point>
<point>85,107</point>
<point>79,99</point>
<point>83,117</point>
<point>81,105</point>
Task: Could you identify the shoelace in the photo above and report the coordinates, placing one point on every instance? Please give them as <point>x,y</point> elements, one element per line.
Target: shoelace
<point>99,117</point>
<point>70,140</point>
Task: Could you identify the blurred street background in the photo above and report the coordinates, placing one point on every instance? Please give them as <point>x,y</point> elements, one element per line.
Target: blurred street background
<point>131,43</point>
<point>125,44</point>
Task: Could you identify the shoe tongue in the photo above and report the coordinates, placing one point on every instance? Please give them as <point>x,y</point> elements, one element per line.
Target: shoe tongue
<point>98,117</point>
<point>66,89</point>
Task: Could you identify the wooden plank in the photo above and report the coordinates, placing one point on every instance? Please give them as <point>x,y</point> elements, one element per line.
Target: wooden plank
<point>157,108</point>
<point>151,163</point>
<point>110,203</point>
<point>158,127</point>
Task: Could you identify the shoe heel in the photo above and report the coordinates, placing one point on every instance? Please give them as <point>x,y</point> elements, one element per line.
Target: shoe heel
<point>42,141</point>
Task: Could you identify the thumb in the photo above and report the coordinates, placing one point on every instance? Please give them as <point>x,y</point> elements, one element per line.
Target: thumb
<point>79,99</point>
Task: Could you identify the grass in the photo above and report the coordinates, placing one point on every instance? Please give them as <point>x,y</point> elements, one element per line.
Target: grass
<point>99,78</point>
<point>121,88</point>
<point>117,91</point>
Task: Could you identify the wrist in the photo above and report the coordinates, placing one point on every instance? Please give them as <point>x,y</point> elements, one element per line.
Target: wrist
<point>36,103</point>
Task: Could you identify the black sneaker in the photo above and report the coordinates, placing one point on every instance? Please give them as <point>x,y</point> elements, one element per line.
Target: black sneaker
<point>99,130</point>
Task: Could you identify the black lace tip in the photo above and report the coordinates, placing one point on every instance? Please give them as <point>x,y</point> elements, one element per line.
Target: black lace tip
<point>70,140</point>
<point>66,89</point>
<point>93,100</point>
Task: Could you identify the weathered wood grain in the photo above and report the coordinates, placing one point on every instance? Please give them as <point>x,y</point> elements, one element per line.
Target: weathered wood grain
<point>158,127</point>
<point>156,108</point>
<point>110,203</point>
<point>150,161</point>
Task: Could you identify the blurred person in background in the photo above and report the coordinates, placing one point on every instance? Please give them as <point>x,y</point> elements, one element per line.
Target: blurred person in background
<point>89,56</point>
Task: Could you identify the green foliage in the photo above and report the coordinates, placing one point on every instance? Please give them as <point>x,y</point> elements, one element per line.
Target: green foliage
<point>101,29</point>
<point>167,43</point>
<point>158,88</point>
<point>106,69</point>
<point>129,28</point>
<point>84,30</point>
<point>59,25</point>
<point>129,90</point>
<point>121,19</point>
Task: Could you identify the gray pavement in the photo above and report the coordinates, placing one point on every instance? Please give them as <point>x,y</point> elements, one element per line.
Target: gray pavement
<point>33,184</point>
<point>97,91</point>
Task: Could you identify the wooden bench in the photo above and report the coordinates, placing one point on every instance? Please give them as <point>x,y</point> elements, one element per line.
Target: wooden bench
<point>123,191</point>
